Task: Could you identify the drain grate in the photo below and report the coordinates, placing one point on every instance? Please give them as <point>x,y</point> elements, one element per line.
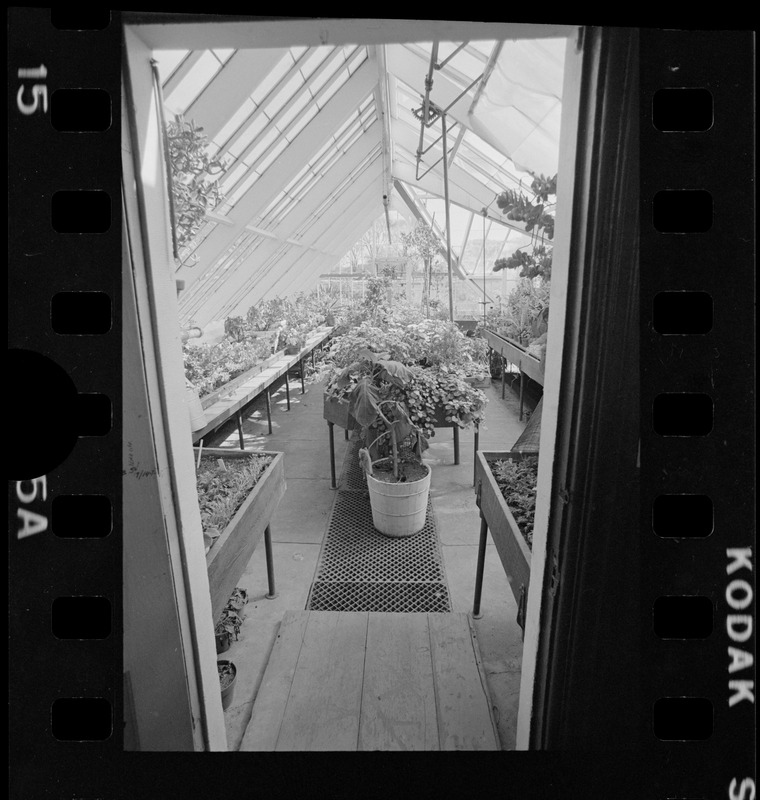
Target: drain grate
<point>352,477</point>
<point>360,569</point>
<point>398,597</point>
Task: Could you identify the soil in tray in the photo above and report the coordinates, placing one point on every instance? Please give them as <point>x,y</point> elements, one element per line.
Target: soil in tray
<point>517,482</point>
<point>408,471</point>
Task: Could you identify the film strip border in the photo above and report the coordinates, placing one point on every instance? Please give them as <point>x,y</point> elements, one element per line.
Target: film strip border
<point>64,460</point>
<point>697,444</point>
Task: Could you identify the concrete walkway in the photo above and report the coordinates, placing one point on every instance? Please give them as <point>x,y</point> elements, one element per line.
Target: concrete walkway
<point>301,522</point>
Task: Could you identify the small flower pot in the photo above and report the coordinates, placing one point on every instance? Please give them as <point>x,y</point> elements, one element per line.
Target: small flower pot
<point>227,680</point>
<point>223,642</point>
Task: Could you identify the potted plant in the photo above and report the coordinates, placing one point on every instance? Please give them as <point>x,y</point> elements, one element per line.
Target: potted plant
<point>227,675</point>
<point>238,494</point>
<point>398,481</point>
<point>231,620</point>
<point>227,627</point>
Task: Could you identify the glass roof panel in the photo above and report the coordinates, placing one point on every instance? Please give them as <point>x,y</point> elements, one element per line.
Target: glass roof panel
<point>168,61</point>
<point>191,86</point>
<point>315,58</point>
<point>271,80</point>
<point>250,132</point>
<point>515,122</point>
<point>233,123</point>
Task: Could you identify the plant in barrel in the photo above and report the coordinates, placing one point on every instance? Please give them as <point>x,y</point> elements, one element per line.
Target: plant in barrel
<point>385,421</point>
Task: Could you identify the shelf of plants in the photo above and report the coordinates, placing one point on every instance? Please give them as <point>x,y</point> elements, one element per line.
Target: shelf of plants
<point>505,486</point>
<point>418,366</point>
<point>238,494</point>
<point>517,354</point>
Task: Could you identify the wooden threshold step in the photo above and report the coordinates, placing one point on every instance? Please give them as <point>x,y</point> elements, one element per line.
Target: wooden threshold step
<point>373,681</point>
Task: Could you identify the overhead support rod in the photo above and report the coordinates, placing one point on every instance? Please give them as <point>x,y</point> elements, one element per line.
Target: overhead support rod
<point>449,57</point>
<point>448,217</point>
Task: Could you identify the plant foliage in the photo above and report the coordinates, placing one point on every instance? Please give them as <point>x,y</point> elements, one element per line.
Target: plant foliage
<point>517,482</point>
<point>221,491</point>
<point>195,177</point>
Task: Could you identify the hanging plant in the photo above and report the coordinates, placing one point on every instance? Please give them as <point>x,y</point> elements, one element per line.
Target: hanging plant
<point>195,177</point>
<point>533,213</point>
<point>531,265</point>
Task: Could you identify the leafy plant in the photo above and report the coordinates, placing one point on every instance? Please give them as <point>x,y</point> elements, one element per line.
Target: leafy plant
<point>209,366</point>
<point>517,482</point>
<point>228,624</point>
<point>231,620</point>
<point>238,599</point>
<point>432,389</point>
<point>222,488</point>
<point>531,265</point>
<point>379,412</point>
<point>423,243</point>
<point>195,177</point>
<point>534,213</point>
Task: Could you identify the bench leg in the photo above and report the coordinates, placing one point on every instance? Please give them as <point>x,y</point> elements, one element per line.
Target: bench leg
<point>303,386</point>
<point>456,444</point>
<point>287,390</point>
<point>240,430</point>
<point>522,392</point>
<point>269,411</point>
<point>330,427</point>
<point>476,613</point>
<point>270,563</point>
<point>475,454</point>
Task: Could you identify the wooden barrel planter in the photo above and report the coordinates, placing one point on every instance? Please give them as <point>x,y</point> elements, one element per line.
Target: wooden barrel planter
<point>230,553</point>
<point>495,515</point>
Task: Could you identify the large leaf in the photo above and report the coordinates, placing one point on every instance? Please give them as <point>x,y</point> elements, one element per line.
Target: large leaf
<point>373,358</point>
<point>364,400</point>
<point>402,428</point>
<point>394,372</point>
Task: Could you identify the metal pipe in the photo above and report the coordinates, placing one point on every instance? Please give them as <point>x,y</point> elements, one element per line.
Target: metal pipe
<point>448,218</point>
<point>449,57</point>
<point>486,75</point>
<point>426,99</point>
<point>270,563</point>
<point>476,614</point>
<point>458,97</point>
<point>484,212</point>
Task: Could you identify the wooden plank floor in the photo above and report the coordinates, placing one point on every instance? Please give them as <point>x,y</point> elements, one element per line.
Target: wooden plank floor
<point>372,681</point>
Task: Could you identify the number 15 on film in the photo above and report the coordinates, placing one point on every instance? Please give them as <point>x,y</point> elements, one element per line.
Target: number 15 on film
<point>37,90</point>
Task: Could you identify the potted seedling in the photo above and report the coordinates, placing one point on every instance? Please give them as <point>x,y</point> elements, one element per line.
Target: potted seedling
<point>227,627</point>
<point>398,481</point>
<point>227,675</point>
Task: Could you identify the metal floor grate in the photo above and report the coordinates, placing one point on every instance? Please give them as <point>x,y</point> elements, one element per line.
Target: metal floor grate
<point>398,597</point>
<point>355,551</point>
<point>360,569</point>
<point>352,476</point>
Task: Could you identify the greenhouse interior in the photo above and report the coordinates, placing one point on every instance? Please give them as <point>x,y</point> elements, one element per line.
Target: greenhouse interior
<point>379,299</point>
